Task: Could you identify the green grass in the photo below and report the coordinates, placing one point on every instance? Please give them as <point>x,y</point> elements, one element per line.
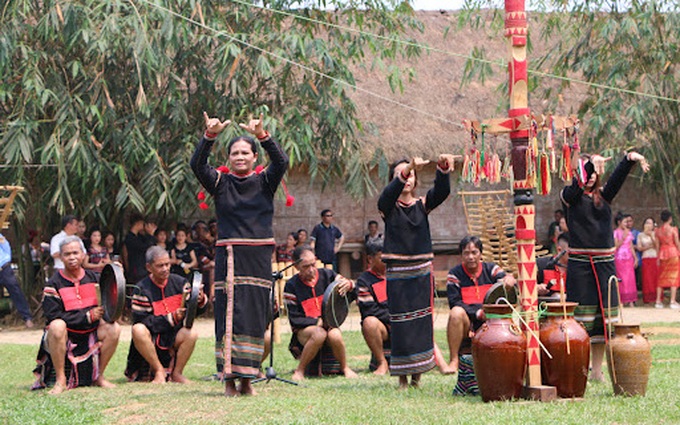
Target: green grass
<point>334,400</point>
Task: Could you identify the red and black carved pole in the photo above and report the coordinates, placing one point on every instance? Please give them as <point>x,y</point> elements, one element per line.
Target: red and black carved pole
<point>516,35</point>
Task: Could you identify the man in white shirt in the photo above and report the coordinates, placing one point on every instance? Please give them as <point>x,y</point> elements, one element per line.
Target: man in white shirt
<point>69,227</point>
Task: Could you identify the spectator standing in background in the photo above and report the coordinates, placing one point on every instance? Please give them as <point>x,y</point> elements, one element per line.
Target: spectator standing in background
<point>301,237</point>
<point>625,260</point>
<point>668,249</point>
<point>69,227</point>
<point>373,236</point>
<point>646,245</point>
<point>327,239</point>
<point>9,281</point>
<point>137,241</point>
<point>97,255</point>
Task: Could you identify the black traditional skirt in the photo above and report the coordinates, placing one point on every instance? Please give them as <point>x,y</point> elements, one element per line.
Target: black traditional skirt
<point>410,299</point>
<point>592,282</point>
<point>243,272</point>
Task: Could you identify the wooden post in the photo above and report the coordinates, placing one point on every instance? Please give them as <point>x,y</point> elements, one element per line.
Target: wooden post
<point>516,35</point>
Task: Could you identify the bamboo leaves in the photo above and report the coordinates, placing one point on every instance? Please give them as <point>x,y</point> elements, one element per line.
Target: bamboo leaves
<point>107,94</point>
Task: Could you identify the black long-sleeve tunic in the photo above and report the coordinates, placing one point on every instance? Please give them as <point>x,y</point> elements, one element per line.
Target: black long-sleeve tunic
<point>371,295</point>
<point>590,224</point>
<point>304,301</point>
<point>244,204</point>
<point>407,229</point>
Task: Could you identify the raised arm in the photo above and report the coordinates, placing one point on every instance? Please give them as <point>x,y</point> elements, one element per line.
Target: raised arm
<point>278,158</point>
<point>442,184</point>
<point>618,177</point>
<point>390,194</point>
<point>206,174</point>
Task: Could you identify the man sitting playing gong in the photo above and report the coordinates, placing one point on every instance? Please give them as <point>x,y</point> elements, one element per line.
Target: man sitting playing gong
<point>319,349</point>
<point>75,331</point>
<point>161,346</point>
<point>371,294</point>
<point>466,286</point>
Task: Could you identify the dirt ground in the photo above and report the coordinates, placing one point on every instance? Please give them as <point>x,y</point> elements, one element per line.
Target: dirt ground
<point>20,335</point>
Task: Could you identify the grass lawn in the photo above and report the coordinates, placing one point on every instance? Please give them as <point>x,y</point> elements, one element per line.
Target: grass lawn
<point>367,400</point>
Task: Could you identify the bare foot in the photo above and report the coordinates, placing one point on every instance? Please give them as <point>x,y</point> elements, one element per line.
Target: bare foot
<point>453,364</point>
<point>246,388</point>
<point>382,369</point>
<point>596,377</point>
<point>415,381</point>
<point>298,376</point>
<point>29,323</point>
<point>58,388</point>
<point>104,383</point>
<point>230,389</point>
<point>159,378</point>
<point>349,373</point>
<point>448,369</point>
<point>179,378</point>
<point>403,382</point>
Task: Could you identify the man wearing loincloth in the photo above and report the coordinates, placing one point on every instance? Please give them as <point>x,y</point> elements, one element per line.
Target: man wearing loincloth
<point>76,340</point>
<point>371,294</point>
<point>320,349</point>
<point>161,346</point>
<point>466,286</point>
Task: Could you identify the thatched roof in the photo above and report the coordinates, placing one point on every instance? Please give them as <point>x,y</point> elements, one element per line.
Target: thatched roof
<point>436,89</point>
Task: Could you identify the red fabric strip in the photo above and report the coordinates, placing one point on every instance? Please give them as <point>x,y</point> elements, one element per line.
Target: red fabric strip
<point>312,306</point>
<point>167,305</point>
<point>78,297</point>
<point>474,294</point>
<point>380,289</point>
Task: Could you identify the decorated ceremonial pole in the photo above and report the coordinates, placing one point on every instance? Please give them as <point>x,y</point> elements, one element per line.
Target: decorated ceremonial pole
<point>516,35</point>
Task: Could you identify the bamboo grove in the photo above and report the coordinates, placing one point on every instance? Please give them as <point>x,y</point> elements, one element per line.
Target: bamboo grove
<point>101,101</point>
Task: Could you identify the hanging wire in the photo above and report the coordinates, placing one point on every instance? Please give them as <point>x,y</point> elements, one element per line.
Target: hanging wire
<point>301,66</point>
<point>499,63</point>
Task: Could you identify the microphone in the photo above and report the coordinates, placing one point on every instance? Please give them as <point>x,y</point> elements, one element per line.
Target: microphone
<point>553,261</point>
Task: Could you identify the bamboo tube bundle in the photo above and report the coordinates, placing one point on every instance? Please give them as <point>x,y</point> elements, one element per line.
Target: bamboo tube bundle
<point>489,216</point>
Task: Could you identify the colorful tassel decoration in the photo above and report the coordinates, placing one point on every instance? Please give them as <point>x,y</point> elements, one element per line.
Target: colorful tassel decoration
<point>565,169</point>
<point>545,178</point>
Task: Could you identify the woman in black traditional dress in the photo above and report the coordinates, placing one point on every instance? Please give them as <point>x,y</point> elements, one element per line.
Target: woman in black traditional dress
<point>182,256</point>
<point>408,256</point>
<point>591,273</point>
<point>244,203</point>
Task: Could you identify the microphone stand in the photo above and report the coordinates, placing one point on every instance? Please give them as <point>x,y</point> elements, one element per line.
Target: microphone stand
<point>270,372</point>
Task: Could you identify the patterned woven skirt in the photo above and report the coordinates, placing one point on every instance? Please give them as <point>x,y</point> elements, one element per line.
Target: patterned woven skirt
<point>582,287</point>
<point>410,301</point>
<point>242,308</point>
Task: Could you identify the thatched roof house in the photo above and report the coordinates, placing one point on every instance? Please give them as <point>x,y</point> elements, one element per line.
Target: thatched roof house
<point>424,121</point>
